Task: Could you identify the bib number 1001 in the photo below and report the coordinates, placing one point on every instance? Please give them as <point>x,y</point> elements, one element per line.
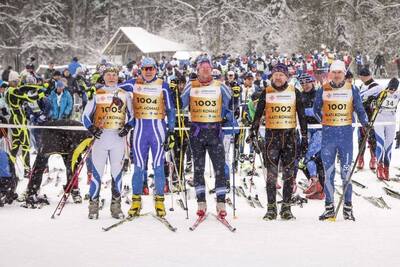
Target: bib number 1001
<point>337,106</point>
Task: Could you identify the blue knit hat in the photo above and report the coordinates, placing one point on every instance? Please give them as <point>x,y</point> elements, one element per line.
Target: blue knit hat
<point>306,78</point>
<point>148,62</point>
<point>280,67</point>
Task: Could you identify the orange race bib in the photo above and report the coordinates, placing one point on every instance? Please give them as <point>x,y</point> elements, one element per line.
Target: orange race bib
<point>280,108</point>
<point>206,102</point>
<point>337,107</point>
<point>107,116</point>
<point>148,100</point>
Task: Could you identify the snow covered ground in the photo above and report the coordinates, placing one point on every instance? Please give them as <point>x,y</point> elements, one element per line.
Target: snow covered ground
<point>32,238</point>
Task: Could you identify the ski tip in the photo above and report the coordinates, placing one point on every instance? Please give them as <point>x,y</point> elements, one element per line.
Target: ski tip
<point>332,219</point>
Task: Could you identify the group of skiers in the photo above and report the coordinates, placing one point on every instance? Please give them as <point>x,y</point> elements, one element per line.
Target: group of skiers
<point>306,127</point>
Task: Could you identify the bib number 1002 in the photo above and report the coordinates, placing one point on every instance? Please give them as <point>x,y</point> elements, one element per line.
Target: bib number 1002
<point>281,109</point>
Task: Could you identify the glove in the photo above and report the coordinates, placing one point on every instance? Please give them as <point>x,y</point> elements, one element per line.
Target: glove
<point>303,145</point>
<point>169,141</point>
<point>42,118</point>
<point>95,131</point>
<point>309,112</point>
<point>124,131</point>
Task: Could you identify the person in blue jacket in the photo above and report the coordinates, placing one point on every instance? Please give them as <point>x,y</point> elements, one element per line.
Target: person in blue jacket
<point>334,105</point>
<point>151,102</point>
<point>61,101</point>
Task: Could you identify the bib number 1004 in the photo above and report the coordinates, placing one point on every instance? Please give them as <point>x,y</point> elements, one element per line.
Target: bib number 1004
<point>146,100</point>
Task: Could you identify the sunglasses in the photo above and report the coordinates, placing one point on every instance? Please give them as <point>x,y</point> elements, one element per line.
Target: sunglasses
<point>148,68</point>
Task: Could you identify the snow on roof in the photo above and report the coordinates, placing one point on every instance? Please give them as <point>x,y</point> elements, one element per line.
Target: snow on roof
<point>146,42</point>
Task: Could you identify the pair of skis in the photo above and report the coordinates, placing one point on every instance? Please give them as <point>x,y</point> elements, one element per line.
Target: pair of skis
<point>222,220</point>
<point>131,218</point>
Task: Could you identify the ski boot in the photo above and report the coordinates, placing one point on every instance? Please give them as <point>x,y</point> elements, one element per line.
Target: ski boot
<point>372,162</point>
<point>360,163</point>
<point>348,212</point>
<point>115,208</point>
<point>386,173</point>
<point>221,210</point>
<point>136,206</point>
<point>272,212</point>
<point>159,206</point>
<point>314,186</point>
<point>188,167</point>
<point>329,213</point>
<point>76,196</point>
<point>93,209</point>
<point>35,201</point>
<point>380,171</point>
<point>201,208</point>
<point>286,213</point>
<point>317,195</point>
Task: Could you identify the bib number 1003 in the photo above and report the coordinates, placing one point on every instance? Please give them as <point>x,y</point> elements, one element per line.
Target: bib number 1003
<point>206,103</point>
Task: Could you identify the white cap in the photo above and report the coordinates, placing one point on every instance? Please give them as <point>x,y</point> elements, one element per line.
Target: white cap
<point>13,76</point>
<point>338,65</point>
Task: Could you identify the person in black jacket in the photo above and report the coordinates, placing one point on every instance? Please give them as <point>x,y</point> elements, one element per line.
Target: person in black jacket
<point>280,102</point>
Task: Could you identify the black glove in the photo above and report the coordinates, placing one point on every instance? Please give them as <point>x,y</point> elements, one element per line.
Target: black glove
<point>397,139</point>
<point>95,131</point>
<point>304,145</point>
<point>124,131</point>
<point>169,141</point>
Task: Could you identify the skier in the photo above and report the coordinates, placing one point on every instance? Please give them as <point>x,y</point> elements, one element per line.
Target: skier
<point>208,100</point>
<point>280,102</point>
<point>152,100</point>
<point>16,98</point>
<point>333,106</point>
<point>8,179</point>
<point>368,91</point>
<point>385,134</point>
<point>312,158</point>
<point>107,116</point>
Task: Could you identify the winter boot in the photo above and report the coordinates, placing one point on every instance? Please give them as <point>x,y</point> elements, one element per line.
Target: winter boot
<point>272,212</point>
<point>329,212</point>
<point>136,206</point>
<point>221,210</point>
<point>360,163</point>
<point>201,208</point>
<point>159,206</point>
<point>348,212</point>
<point>314,186</point>
<point>372,162</point>
<point>76,196</point>
<point>317,195</point>
<point>286,213</point>
<point>93,209</point>
<point>380,171</point>
<point>115,208</point>
<point>386,173</point>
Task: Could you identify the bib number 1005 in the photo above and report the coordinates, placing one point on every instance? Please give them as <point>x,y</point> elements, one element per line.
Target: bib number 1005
<point>108,109</point>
